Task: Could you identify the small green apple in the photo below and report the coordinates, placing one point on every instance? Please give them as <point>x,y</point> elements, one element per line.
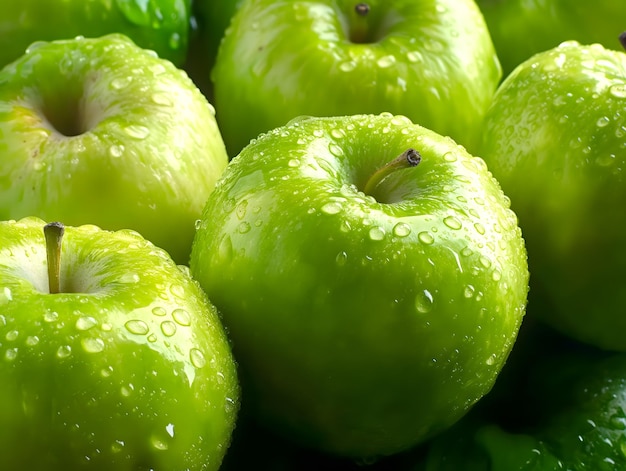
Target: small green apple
<point>522,28</point>
<point>101,131</point>
<point>432,61</point>
<point>370,305</point>
<point>111,356</point>
<point>555,138</point>
<point>161,25</point>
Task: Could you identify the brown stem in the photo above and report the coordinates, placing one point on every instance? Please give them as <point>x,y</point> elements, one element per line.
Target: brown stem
<point>53,233</point>
<point>409,158</point>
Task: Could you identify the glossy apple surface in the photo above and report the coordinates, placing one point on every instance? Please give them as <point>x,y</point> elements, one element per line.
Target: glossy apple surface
<point>555,138</point>
<point>127,367</point>
<point>363,323</point>
<point>521,28</point>
<point>431,60</point>
<point>161,25</point>
<point>100,131</point>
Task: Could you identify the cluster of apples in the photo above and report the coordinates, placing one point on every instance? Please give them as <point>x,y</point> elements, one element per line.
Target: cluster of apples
<point>322,216</point>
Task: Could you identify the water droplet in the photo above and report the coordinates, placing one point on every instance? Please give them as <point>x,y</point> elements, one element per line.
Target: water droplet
<point>491,360</point>
<point>116,151</point>
<point>335,149</point>
<point>64,351</point>
<point>32,340</point>
<point>121,82</point>
<point>161,99</point>
<point>426,237</point>
<point>174,41</point>
<point>243,228</point>
<point>12,335</point>
<point>332,207</point>
<point>479,228</point>
<point>137,131</point>
<point>106,372</point>
<point>347,66</point>
<point>496,275</point>
<point>341,259</point>
<point>168,328</point>
<point>401,229</point>
<point>159,311</point>
<point>10,354</point>
<point>468,292</point>
<point>137,327</point>
<point>424,302</point>
<point>618,90</point>
<point>338,133</point>
<point>178,291</point>
<point>129,278</point>
<point>51,316</point>
<point>117,446</point>
<point>605,160</point>
<point>158,444</point>
<point>92,345</point>
<point>181,317</point>
<point>135,11</point>
<point>86,323</point>
<point>377,233</point>
<point>484,261</point>
<point>293,163</point>
<point>414,56</point>
<point>386,61</point>
<point>603,121</point>
<point>452,222</point>
<point>127,389</point>
<point>197,358</point>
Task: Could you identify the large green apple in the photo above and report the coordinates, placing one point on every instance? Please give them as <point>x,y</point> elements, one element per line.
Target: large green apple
<point>101,131</point>
<point>430,60</point>
<point>370,305</point>
<point>111,356</point>
<point>161,25</point>
<point>555,138</point>
<point>522,28</point>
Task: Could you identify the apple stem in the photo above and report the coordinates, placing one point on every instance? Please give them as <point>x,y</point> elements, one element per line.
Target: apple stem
<point>409,158</point>
<point>53,233</point>
<point>622,40</point>
<point>359,28</point>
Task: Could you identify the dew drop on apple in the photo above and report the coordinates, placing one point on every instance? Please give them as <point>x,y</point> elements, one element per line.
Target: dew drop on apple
<point>181,317</point>
<point>243,227</point>
<point>32,340</point>
<point>341,258</point>
<point>386,61</point>
<point>197,358</point>
<point>401,229</point>
<point>159,311</point>
<point>86,323</point>
<point>119,83</point>
<point>137,327</point>
<point>116,150</point>
<point>376,233</point>
<point>10,354</point>
<point>12,335</point>
<point>64,351</point>
<point>426,237</point>
<point>335,149</point>
<point>92,344</point>
<point>414,56</point>
<point>424,302</point>
<point>174,41</point>
<point>347,66</point>
<point>137,131</point>
<point>127,389</point>
<point>491,360</point>
<point>332,207</point>
<point>618,90</point>
<point>51,316</point>
<point>452,222</point>
<point>603,122</point>
<point>117,446</point>
<point>168,328</point>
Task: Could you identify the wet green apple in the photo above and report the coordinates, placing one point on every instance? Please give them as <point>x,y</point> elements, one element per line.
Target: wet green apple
<point>555,138</point>
<point>432,61</point>
<point>372,278</point>
<point>522,28</point>
<point>100,131</point>
<point>111,356</point>
<point>161,25</point>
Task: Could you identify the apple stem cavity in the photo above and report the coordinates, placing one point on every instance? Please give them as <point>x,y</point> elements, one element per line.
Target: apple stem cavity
<point>53,233</point>
<point>408,159</point>
<point>622,40</point>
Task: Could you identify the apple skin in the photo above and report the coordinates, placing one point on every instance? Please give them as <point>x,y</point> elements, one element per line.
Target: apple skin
<point>127,367</point>
<point>161,25</point>
<point>361,326</point>
<point>431,60</point>
<point>521,28</point>
<point>100,131</point>
<point>555,138</point>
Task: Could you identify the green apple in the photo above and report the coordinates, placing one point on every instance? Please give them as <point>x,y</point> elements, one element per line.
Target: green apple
<point>111,356</point>
<point>370,305</point>
<point>161,25</point>
<point>522,28</point>
<point>555,138</point>
<point>101,131</point>
<point>432,61</point>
